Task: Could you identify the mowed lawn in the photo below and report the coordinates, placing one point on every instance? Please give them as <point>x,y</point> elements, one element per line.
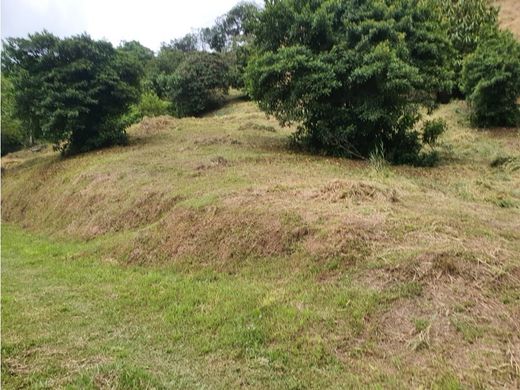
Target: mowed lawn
<point>70,320</point>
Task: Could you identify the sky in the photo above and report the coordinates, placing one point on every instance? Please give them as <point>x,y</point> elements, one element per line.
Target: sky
<point>151,22</point>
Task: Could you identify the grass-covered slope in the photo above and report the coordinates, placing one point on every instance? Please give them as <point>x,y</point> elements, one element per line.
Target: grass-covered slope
<point>509,15</point>
<point>207,254</point>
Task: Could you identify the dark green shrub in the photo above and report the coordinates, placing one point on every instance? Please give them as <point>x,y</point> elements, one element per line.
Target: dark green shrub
<point>198,84</point>
<point>74,90</point>
<point>12,138</point>
<point>432,130</point>
<point>352,74</point>
<point>491,80</point>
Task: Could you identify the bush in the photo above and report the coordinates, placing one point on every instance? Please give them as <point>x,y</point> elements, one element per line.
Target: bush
<point>491,79</point>
<point>199,84</point>
<point>352,74</point>
<point>12,138</point>
<point>149,105</point>
<point>432,130</point>
<point>75,90</point>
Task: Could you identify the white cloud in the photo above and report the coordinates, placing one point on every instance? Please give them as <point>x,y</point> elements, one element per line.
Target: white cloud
<point>150,22</point>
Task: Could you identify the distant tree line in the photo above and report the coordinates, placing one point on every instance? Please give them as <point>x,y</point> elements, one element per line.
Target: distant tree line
<point>355,76</point>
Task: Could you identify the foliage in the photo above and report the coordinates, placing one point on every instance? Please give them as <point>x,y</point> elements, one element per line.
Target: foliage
<point>149,105</point>
<point>352,74</point>
<point>139,52</point>
<point>432,130</point>
<point>75,90</point>
<point>12,139</point>
<point>161,68</point>
<point>491,78</point>
<point>188,43</point>
<point>232,36</point>
<point>467,22</point>
<point>198,84</point>
<point>12,136</point>
<point>231,29</point>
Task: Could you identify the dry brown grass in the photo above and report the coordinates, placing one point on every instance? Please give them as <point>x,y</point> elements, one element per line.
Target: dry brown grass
<point>510,15</point>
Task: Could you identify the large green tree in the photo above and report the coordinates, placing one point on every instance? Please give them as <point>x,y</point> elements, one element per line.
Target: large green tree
<point>73,90</point>
<point>352,74</point>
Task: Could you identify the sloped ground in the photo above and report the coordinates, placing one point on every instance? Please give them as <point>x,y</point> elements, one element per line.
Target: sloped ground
<point>510,15</point>
<point>207,253</point>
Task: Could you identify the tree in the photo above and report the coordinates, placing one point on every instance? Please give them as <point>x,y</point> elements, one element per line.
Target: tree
<point>198,84</point>
<point>12,135</point>
<point>74,90</point>
<point>140,53</point>
<point>491,80</point>
<point>351,74</point>
<point>231,29</point>
<point>467,23</point>
<point>231,35</point>
<point>162,68</point>
<point>23,62</point>
<point>188,43</point>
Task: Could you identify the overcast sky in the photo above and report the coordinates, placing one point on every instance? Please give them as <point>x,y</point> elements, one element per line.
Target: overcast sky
<point>148,21</point>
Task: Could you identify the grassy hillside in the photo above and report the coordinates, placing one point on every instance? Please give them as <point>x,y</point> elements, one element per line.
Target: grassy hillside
<point>510,15</point>
<point>208,254</point>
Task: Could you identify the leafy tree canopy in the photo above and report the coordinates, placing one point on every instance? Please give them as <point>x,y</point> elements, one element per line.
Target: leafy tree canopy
<point>188,43</point>
<point>140,53</point>
<point>74,90</point>
<point>352,73</point>
<point>231,29</point>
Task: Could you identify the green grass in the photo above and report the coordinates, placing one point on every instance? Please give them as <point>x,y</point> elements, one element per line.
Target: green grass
<point>72,320</point>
